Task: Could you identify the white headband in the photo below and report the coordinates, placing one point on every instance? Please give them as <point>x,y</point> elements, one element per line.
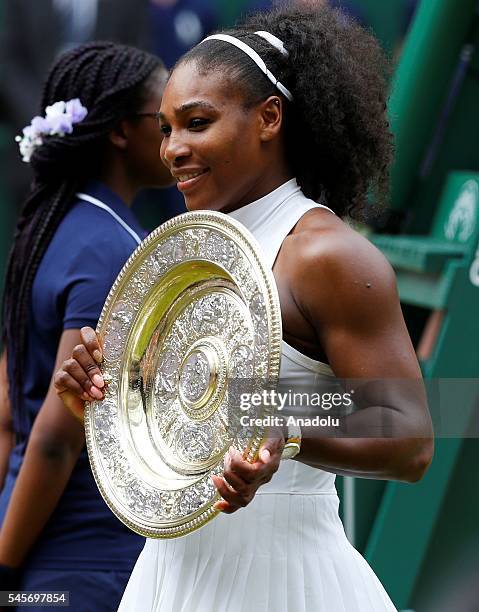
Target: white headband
<point>276,42</point>
<point>273,40</point>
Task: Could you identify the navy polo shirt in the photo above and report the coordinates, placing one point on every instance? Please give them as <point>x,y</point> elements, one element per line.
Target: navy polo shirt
<point>75,275</point>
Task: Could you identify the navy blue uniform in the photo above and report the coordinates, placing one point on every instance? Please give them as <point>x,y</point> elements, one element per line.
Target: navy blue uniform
<point>83,548</point>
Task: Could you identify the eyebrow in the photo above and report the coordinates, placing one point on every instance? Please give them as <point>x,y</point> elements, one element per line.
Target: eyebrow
<point>190,105</point>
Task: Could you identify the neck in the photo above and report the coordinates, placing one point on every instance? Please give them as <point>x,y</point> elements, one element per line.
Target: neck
<point>117,179</point>
<point>267,182</point>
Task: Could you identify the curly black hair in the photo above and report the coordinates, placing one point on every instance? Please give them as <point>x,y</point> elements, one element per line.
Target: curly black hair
<point>338,138</point>
<point>112,81</point>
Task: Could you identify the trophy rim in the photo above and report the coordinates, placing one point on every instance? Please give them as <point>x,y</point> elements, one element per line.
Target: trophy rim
<point>243,237</point>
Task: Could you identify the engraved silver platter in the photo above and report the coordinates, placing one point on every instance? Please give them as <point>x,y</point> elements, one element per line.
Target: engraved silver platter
<point>192,311</point>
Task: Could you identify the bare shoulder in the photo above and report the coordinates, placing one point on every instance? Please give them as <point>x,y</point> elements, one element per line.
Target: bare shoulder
<point>337,267</point>
<point>324,243</point>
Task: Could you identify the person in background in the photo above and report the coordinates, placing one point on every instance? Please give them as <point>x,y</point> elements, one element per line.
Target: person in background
<point>95,146</point>
<point>177,25</point>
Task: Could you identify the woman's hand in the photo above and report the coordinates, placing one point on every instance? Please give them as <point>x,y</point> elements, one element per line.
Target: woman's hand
<point>79,379</point>
<point>242,479</point>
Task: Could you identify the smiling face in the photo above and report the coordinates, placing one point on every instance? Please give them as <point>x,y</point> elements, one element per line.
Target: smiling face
<point>222,154</point>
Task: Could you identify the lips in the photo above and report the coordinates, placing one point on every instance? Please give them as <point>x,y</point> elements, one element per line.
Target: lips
<point>190,175</point>
<point>189,179</point>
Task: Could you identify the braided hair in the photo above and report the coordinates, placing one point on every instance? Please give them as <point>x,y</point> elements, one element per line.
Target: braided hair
<point>337,135</point>
<point>112,82</point>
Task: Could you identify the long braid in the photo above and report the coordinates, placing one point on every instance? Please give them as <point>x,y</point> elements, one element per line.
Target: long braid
<point>44,230</point>
<point>110,80</point>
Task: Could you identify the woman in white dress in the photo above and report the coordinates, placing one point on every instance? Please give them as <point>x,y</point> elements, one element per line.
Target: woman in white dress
<point>260,122</point>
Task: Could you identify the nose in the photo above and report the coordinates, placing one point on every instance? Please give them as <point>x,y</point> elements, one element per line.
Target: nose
<point>174,148</point>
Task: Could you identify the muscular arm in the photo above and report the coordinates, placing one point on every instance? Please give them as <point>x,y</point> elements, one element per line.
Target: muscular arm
<point>7,438</point>
<point>346,289</point>
<point>55,442</point>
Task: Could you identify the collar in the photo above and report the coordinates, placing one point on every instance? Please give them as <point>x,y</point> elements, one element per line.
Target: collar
<point>101,192</point>
<point>256,214</point>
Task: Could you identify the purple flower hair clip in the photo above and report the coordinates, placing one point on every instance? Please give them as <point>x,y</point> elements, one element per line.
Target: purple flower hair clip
<point>59,120</point>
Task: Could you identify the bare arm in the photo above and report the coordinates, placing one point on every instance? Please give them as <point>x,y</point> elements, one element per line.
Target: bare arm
<point>7,436</point>
<point>346,289</point>
<point>55,443</point>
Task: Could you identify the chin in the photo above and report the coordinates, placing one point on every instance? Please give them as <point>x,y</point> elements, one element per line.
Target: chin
<point>190,207</point>
<point>194,204</point>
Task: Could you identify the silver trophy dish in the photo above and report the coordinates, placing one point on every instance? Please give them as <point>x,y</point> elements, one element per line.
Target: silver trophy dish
<point>193,311</point>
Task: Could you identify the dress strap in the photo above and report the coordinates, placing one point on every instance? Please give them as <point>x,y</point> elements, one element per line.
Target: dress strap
<point>281,222</point>
<point>88,198</point>
<point>271,218</point>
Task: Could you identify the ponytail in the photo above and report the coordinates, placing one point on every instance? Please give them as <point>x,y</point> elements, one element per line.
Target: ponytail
<point>337,135</point>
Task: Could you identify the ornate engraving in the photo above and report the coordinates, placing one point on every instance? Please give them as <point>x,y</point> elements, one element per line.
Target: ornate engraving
<point>190,502</point>
<point>195,376</point>
<point>194,443</point>
<point>147,273</point>
<point>242,362</point>
<point>222,250</point>
<point>210,315</point>
<point>120,318</point>
<point>167,376</point>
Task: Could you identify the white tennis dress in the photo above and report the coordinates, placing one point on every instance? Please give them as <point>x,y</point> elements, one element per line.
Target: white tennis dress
<point>286,551</point>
